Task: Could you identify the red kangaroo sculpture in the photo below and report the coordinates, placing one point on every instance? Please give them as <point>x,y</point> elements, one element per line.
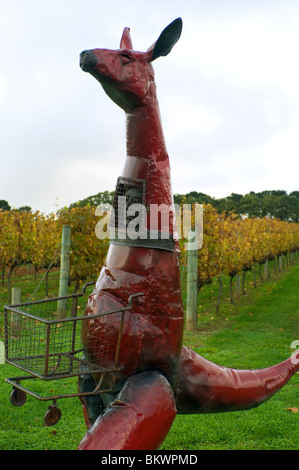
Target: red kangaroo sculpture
<point>159,377</point>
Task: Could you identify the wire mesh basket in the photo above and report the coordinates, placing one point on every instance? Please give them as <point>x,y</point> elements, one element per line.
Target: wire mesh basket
<point>43,338</point>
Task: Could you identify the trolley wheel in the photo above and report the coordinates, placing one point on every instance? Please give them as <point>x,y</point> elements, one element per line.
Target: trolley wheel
<point>18,397</point>
<point>53,415</point>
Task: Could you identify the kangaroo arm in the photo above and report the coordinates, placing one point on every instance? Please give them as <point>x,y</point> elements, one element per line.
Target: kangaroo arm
<point>205,387</point>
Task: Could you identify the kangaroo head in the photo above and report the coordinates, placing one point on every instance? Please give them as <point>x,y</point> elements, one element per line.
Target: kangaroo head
<point>127,75</point>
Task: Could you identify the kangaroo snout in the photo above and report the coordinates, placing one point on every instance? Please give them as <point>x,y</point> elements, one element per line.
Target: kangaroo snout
<point>87,60</point>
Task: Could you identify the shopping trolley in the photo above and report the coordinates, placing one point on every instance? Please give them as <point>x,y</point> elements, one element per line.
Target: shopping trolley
<point>43,339</point>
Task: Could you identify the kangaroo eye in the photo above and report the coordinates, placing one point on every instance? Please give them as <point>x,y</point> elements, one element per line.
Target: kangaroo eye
<point>126,57</point>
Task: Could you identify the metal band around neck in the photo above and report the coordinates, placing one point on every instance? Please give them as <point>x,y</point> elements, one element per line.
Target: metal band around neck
<point>153,239</point>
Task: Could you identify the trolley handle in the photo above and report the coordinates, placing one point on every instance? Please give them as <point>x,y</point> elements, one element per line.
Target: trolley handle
<point>132,296</point>
<point>87,285</point>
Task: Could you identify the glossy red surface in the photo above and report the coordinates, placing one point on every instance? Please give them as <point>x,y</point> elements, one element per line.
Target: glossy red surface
<point>205,387</point>
<point>139,419</point>
<point>152,334</point>
<point>153,328</point>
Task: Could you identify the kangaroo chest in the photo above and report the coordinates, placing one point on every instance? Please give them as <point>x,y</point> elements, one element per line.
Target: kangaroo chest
<point>143,207</point>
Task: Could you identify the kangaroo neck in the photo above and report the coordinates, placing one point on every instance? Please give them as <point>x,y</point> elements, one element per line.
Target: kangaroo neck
<point>144,132</point>
<point>147,163</point>
<point>147,156</point>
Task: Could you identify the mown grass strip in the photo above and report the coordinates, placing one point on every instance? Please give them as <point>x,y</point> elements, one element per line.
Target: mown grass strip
<point>254,332</point>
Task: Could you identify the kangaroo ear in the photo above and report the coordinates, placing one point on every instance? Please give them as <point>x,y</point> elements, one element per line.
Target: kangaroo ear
<point>167,39</point>
<point>126,41</point>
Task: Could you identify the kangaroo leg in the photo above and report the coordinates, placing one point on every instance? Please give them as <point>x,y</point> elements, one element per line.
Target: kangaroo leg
<point>92,405</point>
<point>205,387</point>
<point>139,419</point>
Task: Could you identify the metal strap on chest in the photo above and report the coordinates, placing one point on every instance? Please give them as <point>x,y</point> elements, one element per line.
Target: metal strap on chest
<point>131,193</point>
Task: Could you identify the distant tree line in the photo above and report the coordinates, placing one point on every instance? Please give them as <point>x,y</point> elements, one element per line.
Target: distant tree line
<point>4,206</point>
<point>275,203</point>
<point>101,198</point>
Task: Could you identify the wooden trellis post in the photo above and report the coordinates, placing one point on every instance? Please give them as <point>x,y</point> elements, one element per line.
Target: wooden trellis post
<point>191,311</point>
<point>15,317</point>
<point>64,270</point>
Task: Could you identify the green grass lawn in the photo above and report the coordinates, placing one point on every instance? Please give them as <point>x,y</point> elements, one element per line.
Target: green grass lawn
<point>255,331</point>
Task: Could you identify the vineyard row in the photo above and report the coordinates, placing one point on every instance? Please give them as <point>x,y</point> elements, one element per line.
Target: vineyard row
<point>230,244</point>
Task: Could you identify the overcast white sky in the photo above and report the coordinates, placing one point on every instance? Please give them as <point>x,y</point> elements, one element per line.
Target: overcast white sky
<point>228,94</point>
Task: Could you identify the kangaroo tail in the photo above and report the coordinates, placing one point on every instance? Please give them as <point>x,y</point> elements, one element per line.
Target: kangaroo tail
<point>205,387</point>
